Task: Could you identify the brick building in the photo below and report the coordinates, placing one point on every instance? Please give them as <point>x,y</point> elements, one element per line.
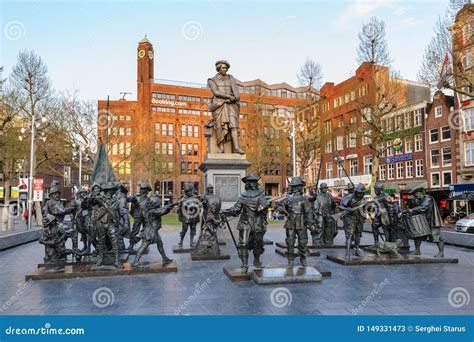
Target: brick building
<point>441,148</point>
<point>160,136</point>
<point>346,150</point>
<point>463,49</point>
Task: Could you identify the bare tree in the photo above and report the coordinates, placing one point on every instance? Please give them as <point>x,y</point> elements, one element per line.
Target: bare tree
<point>372,43</point>
<point>308,139</point>
<point>438,66</point>
<point>310,74</point>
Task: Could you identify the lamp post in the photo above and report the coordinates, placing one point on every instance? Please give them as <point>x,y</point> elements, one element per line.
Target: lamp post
<point>80,149</point>
<point>34,123</point>
<point>293,140</point>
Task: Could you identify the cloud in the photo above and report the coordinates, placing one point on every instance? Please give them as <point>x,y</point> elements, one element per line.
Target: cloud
<point>360,8</point>
<point>409,21</point>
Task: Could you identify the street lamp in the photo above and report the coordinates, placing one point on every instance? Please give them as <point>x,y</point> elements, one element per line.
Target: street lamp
<point>35,123</point>
<point>80,149</point>
<point>293,139</point>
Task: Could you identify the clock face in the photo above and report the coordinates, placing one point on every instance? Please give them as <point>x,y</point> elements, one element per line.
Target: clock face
<point>141,53</point>
<point>150,54</point>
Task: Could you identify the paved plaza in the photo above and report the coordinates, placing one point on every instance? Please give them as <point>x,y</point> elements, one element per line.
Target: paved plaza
<point>201,288</point>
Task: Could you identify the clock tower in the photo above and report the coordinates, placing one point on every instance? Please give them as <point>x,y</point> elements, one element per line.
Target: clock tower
<point>145,70</point>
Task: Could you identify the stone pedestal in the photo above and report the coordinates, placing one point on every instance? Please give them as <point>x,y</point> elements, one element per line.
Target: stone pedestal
<point>384,259</point>
<point>282,275</point>
<point>182,249</point>
<point>223,170</point>
<point>86,271</point>
<point>282,252</point>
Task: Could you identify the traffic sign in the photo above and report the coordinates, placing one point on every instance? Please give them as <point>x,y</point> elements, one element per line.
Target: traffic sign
<point>38,189</point>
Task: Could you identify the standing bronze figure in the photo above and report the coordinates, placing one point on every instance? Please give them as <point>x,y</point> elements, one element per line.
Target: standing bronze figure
<point>385,216</point>
<point>150,235</point>
<point>139,206</point>
<point>324,207</point>
<point>208,243</point>
<point>81,217</point>
<point>225,107</point>
<point>124,222</point>
<point>426,206</point>
<point>353,217</point>
<point>299,218</point>
<point>105,217</point>
<point>188,213</point>
<point>253,208</point>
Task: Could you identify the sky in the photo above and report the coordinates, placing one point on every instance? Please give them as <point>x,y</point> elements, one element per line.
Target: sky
<point>91,45</point>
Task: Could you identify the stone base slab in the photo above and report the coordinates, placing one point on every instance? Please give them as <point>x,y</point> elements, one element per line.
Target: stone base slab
<point>221,256</point>
<point>86,271</point>
<point>372,259</point>
<point>294,275</point>
<point>183,249</point>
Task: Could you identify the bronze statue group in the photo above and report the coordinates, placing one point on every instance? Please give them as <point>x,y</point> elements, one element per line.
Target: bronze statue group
<point>101,218</point>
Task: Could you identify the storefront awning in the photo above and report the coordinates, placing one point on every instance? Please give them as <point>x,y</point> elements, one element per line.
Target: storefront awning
<point>462,187</point>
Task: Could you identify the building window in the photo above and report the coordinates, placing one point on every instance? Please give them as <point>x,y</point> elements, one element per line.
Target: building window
<point>407,119</point>
<point>419,168</point>
<point>445,133</point>
<point>469,149</point>
<point>438,111</point>
<point>340,169</point>
<point>328,126</point>
<point>409,167</point>
<point>447,178</point>
<point>189,98</point>
<point>353,119</point>
<point>163,96</point>
<point>435,180</point>
<point>391,171</point>
<point>447,156</point>
<point>368,161</point>
<point>467,58</point>
<point>389,148</point>
<point>367,137</point>
<point>408,145</point>
<point>195,149</point>
<point>329,146</point>
<point>329,170</point>
<point>418,143</point>
<point>163,109</point>
<point>434,135</point>
<point>435,158</point>
<point>157,128</point>
<point>418,117</point>
<point>382,171</point>
<point>468,119</point>
<point>353,167</point>
<point>352,139</point>
<point>340,143</point>
<point>388,124</point>
<point>353,95</point>
<point>399,170</point>
<point>196,131</point>
<point>398,122</point>
<point>128,131</point>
